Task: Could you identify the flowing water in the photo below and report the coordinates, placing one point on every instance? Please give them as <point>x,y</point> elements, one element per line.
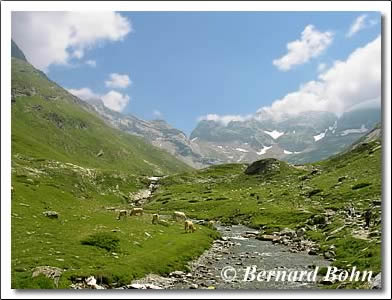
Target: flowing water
<point>238,252</point>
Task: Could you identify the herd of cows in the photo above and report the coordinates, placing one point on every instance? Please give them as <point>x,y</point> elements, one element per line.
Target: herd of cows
<point>177,216</point>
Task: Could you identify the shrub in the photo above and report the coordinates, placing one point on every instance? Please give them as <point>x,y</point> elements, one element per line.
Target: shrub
<point>102,240</point>
<point>360,185</point>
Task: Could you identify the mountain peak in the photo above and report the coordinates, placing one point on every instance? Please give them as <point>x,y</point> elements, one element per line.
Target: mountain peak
<point>16,52</point>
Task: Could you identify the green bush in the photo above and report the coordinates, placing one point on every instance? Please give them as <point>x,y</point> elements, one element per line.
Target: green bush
<point>361,185</point>
<point>102,240</point>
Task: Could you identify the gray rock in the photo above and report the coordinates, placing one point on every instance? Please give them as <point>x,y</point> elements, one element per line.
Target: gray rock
<point>301,232</point>
<point>288,232</point>
<point>317,220</point>
<point>377,282</point>
<point>374,233</point>
<point>51,214</point>
<point>329,254</point>
<point>50,272</point>
<point>326,282</point>
<point>177,274</point>
<point>340,179</point>
<point>267,237</point>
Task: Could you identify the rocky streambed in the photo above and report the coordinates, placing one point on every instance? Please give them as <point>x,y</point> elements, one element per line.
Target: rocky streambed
<point>238,249</point>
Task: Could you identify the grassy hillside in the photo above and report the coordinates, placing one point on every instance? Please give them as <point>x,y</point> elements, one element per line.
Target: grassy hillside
<point>280,195</point>
<point>49,123</point>
<point>65,159</point>
<point>81,197</point>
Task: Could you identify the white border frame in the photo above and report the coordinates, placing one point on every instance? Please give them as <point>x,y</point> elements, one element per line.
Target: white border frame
<point>6,7</point>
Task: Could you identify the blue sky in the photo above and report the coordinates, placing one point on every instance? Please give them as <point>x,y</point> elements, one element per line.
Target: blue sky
<point>190,64</point>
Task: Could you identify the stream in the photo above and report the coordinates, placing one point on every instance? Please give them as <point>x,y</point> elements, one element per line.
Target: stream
<point>238,252</point>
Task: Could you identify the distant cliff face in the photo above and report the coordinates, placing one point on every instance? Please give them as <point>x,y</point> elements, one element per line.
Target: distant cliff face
<point>306,137</point>
<point>302,138</point>
<point>157,132</point>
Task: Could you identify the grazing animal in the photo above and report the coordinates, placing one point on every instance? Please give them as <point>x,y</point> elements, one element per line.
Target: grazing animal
<point>368,216</point>
<point>136,211</point>
<point>189,226</point>
<point>155,219</point>
<point>178,215</point>
<point>211,224</point>
<point>121,213</point>
<point>163,222</point>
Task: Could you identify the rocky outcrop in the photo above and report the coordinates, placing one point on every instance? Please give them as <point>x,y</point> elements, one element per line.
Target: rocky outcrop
<point>51,214</point>
<point>377,282</point>
<point>50,272</point>
<point>262,166</point>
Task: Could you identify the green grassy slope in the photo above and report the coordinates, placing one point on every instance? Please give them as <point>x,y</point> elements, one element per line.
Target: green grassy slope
<point>65,159</point>
<point>49,123</point>
<point>287,196</point>
<point>81,197</point>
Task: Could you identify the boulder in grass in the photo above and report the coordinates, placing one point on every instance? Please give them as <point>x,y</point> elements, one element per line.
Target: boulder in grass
<point>377,282</point>
<point>50,272</point>
<point>51,214</point>
<point>263,166</point>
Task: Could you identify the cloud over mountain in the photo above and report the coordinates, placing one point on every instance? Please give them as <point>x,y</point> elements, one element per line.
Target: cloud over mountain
<point>57,37</point>
<point>225,119</point>
<point>114,100</point>
<point>346,85</point>
<point>311,44</point>
<point>118,81</point>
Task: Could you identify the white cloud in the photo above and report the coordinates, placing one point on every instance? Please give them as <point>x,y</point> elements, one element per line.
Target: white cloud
<point>157,114</point>
<point>118,81</point>
<point>226,119</point>
<point>91,63</point>
<point>321,67</point>
<point>49,38</point>
<point>113,99</point>
<point>359,24</point>
<point>311,44</point>
<point>84,93</point>
<point>344,85</point>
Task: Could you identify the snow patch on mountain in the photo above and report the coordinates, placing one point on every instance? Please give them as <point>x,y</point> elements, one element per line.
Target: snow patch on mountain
<point>241,158</point>
<point>287,152</point>
<point>320,136</point>
<point>274,134</point>
<point>241,150</point>
<point>363,129</point>
<point>264,150</point>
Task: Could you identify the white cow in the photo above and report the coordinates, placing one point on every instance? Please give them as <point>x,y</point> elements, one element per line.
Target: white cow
<point>136,211</point>
<point>121,213</point>
<point>211,224</point>
<point>155,219</point>
<point>178,215</point>
<point>189,226</point>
